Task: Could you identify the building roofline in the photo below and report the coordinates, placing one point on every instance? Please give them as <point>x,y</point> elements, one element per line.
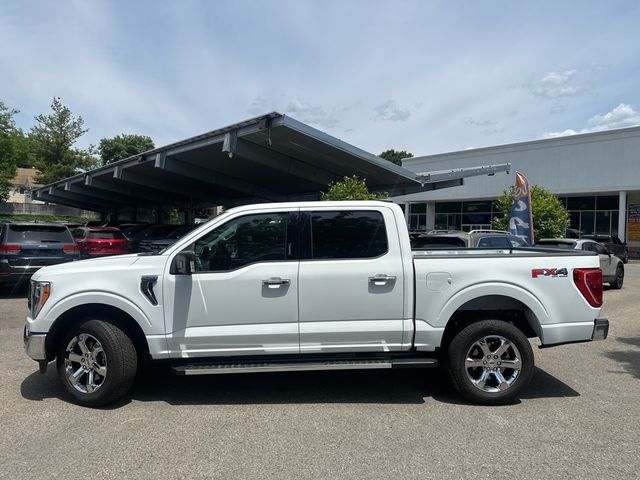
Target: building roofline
<point>543,142</point>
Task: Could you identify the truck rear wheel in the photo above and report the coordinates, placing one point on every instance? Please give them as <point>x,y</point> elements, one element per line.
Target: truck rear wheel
<point>490,362</point>
<point>97,363</point>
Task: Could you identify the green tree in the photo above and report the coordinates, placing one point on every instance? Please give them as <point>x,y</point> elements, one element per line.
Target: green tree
<point>550,218</point>
<point>395,156</point>
<point>351,188</point>
<point>7,150</point>
<point>123,146</point>
<point>52,142</point>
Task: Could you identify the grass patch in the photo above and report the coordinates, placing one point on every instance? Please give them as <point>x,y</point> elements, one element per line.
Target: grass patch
<point>45,218</point>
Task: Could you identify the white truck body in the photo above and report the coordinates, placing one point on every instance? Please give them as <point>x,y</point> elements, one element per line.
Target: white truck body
<point>397,302</point>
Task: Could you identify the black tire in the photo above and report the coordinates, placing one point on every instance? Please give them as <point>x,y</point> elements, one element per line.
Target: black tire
<point>110,350</point>
<point>619,280</point>
<point>466,344</point>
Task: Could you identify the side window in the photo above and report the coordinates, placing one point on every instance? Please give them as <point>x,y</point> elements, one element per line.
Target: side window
<point>518,242</point>
<point>599,249</point>
<point>590,247</point>
<point>243,241</point>
<point>495,242</point>
<point>346,235</point>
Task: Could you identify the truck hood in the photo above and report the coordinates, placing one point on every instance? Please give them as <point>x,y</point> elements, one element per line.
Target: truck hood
<point>93,265</point>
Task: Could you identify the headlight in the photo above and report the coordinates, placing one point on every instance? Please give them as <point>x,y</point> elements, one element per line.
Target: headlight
<point>38,295</point>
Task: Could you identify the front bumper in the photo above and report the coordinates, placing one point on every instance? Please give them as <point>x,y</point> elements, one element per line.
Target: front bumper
<point>34,344</point>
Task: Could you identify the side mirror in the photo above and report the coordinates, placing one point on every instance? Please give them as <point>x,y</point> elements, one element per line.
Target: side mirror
<point>184,263</point>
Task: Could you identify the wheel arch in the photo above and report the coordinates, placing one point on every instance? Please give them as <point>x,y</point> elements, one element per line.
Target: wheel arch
<point>508,303</point>
<point>98,311</point>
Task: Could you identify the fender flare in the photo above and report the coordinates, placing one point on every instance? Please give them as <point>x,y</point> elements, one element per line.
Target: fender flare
<point>103,298</point>
<point>502,289</point>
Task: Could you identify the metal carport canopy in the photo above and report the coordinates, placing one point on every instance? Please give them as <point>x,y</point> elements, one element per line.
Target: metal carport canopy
<point>269,158</point>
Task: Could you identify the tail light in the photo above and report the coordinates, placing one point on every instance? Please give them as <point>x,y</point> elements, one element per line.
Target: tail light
<point>10,249</point>
<point>70,249</point>
<point>589,282</point>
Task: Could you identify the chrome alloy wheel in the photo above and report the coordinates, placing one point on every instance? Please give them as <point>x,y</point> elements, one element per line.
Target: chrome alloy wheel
<point>493,363</point>
<point>85,363</point>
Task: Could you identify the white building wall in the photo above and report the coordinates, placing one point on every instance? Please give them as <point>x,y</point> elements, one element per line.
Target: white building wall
<point>601,163</point>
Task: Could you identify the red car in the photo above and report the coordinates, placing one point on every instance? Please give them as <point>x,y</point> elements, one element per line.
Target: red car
<point>100,241</point>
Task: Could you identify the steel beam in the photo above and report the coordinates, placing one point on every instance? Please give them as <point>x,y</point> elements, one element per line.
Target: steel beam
<point>457,173</point>
<point>201,174</point>
<point>81,198</point>
<point>46,197</point>
<point>168,186</point>
<point>282,163</point>
<point>147,195</point>
<point>101,195</point>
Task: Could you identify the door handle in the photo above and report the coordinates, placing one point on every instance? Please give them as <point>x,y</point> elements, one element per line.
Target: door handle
<point>275,282</point>
<point>381,279</point>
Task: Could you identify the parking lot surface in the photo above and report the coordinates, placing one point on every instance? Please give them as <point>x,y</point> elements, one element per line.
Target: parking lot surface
<point>579,418</point>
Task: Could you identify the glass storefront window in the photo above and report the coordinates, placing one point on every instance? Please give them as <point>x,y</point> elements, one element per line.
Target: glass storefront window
<point>603,222</point>
<point>609,202</point>
<point>449,207</point>
<point>476,207</point>
<point>418,208</point>
<point>587,223</point>
<point>581,203</point>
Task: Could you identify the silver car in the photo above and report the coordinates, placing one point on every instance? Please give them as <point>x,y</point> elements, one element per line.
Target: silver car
<point>612,267</point>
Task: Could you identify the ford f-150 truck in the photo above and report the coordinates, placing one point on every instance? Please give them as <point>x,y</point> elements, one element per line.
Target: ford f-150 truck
<point>311,286</point>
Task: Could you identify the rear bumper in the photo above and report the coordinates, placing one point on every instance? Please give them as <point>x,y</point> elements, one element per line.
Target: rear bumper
<point>600,329</point>
<point>34,344</point>
<point>565,333</point>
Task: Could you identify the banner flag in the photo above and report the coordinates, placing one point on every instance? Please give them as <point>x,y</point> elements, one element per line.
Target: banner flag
<point>521,220</point>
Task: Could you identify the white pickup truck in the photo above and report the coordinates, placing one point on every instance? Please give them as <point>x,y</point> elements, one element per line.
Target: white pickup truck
<point>311,286</point>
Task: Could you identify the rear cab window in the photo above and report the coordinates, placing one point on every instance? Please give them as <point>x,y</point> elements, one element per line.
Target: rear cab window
<point>343,234</point>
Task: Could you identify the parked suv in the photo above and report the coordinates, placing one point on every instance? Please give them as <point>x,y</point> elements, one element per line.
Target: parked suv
<point>613,244</point>
<point>100,241</point>
<point>612,267</point>
<point>25,247</point>
<point>438,239</point>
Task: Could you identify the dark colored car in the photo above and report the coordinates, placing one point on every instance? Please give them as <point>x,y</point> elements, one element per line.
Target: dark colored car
<point>151,232</point>
<point>613,244</point>
<point>101,241</point>
<point>151,245</point>
<point>25,247</point>
<point>473,239</point>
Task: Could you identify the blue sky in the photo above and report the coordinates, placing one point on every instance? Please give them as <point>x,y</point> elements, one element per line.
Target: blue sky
<point>423,76</point>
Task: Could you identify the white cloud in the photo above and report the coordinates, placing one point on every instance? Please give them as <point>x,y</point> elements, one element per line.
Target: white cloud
<point>554,85</point>
<point>390,110</point>
<point>620,117</point>
<point>306,112</point>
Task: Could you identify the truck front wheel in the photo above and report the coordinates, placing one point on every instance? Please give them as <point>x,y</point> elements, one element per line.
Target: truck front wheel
<point>490,362</point>
<point>96,363</point>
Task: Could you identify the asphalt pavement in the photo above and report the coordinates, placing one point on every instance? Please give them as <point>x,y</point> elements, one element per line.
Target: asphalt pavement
<point>579,418</point>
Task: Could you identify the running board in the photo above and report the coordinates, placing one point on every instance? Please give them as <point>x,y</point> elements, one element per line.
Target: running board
<point>219,368</point>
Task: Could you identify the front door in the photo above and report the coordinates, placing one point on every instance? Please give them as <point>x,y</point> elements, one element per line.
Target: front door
<point>243,297</point>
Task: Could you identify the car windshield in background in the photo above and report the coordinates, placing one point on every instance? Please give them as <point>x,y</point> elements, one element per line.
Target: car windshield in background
<point>107,235</point>
<point>438,242</point>
<point>556,244</point>
<point>38,234</point>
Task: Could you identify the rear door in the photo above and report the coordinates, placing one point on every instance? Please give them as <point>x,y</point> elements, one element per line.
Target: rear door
<point>351,281</point>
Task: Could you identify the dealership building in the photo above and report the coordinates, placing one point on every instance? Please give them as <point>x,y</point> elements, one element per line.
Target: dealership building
<point>595,175</point>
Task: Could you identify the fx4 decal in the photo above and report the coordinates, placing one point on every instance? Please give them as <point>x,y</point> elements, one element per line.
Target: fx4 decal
<point>549,272</point>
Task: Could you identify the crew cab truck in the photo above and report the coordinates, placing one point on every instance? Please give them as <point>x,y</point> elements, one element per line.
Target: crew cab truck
<point>311,286</point>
